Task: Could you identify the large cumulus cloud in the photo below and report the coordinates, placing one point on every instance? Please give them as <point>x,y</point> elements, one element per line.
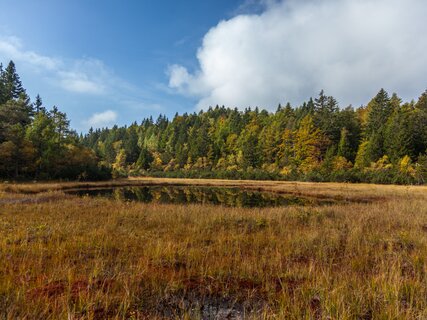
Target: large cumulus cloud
<point>295,48</point>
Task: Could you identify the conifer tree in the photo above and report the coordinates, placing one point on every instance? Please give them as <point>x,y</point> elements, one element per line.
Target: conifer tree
<point>38,104</point>
<point>12,82</point>
<point>344,146</point>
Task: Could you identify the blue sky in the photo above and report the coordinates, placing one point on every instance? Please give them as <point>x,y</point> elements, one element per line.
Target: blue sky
<point>132,42</point>
<point>105,62</point>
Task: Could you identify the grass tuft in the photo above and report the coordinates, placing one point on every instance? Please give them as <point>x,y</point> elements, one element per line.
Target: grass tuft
<point>65,257</point>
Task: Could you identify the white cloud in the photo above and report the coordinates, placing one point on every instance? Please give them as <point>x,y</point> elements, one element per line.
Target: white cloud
<point>87,76</point>
<point>179,76</point>
<point>296,48</point>
<point>102,119</point>
<point>180,79</point>
<point>84,76</point>
<point>12,47</point>
<point>79,82</point>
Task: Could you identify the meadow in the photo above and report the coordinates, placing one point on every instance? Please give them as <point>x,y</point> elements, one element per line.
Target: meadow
<point>69,257</point>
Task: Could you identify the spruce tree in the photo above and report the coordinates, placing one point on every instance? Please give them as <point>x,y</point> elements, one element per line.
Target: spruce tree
<point>12,82</point>
<point>344,146</point>
<point>38,104</point>
<point>3,95</point>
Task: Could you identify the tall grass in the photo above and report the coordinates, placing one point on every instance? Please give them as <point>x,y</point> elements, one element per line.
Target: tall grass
<point>64,257</point>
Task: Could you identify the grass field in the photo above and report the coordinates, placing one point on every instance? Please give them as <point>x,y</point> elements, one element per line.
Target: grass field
<point>64,257</point>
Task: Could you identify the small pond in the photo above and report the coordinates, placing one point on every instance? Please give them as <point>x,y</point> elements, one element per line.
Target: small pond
<point>231,197</point>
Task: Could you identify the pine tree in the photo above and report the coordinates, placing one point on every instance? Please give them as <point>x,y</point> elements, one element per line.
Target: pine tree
<point>131,144</point>
<point>249,146</point>
<point>12,82</point>
<point>325,116</point>
<point>344,146</point>
<point>379,110</point>
<point>420,125</point>
<point>38,104</point>
<point>3,94</point>
<point>401,136</point>
<point>145,159</point>
<point>61,124</point>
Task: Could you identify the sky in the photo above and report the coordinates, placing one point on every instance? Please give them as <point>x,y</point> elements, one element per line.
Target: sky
<point>108,62</point>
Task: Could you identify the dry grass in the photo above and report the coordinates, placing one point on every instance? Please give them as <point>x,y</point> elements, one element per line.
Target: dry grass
<point>357,192</point>
<point>83,258</point>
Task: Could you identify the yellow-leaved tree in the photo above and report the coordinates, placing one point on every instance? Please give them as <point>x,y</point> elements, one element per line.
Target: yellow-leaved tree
<point>307,145</point>
<point>406,166</point>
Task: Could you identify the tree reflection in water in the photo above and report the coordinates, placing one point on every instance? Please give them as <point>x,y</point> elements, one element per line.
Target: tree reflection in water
<point>232,197</point>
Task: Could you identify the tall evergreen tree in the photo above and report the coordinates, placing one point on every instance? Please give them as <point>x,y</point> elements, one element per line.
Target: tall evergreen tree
<point>38,104</point>
<point>12,82</point>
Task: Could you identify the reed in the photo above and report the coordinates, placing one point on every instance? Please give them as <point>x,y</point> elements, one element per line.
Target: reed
<point>64,257</point>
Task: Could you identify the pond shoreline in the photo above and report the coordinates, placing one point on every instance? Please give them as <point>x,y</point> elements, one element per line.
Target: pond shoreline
<point>362,193</point>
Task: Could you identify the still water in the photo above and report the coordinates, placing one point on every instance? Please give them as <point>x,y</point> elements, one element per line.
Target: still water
<point>231,197</point>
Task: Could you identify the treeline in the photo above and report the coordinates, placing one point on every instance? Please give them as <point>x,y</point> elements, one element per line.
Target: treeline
<point>36,143</point>
<point>382,142</point>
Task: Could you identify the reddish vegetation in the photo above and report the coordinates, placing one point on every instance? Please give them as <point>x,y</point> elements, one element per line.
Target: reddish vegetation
<point>60,287</point>
<point>105,259</point>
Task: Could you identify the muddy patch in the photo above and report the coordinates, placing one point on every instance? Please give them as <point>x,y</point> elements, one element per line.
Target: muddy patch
<point>207,308</point>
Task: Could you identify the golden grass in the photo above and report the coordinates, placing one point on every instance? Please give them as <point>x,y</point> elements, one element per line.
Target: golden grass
<point>64,257</point>
<point>338,190</point>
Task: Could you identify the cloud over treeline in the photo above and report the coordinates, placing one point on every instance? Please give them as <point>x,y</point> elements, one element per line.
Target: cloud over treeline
<point>295,48</point>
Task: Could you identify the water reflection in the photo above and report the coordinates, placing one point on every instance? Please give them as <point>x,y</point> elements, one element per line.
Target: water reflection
<point>232,197</point>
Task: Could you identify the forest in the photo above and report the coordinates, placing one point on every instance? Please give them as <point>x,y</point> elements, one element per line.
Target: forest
<point>36,143</point>
<point>384,141</point>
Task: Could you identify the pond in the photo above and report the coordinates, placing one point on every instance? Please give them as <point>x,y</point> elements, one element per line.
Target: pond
<point>231,197</point>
